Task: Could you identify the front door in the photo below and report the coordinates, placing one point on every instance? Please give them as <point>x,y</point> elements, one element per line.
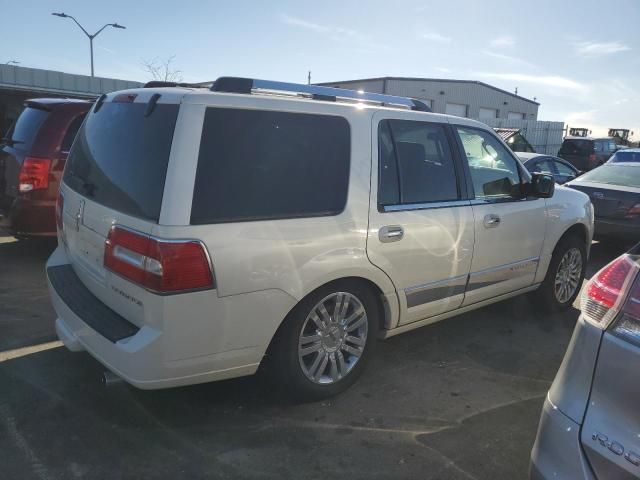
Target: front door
<point>420,224</point>
<point>509,229</point>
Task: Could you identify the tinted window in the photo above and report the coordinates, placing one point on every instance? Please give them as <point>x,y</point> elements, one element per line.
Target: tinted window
<point>256,165</point>
<point>565,170</point>
<point>625,175</point>
<point>416,165</point>
<point>120,157</point>
<point>542,166</point>
<point>622,156</point>
<point>72,131</point>
<point>577,147</point>
<point>494,171</point>
<point>26,128</point>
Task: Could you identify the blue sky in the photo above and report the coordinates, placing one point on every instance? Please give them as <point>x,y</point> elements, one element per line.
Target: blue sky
<point>580,59</point>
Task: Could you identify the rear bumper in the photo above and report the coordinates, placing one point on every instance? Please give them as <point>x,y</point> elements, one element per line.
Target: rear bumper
<point>28,217</point>
<point>624,230</point>
<point>557,452</point>
<point>148,360</point>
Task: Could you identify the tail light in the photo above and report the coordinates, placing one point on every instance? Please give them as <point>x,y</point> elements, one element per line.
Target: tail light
<point>628,325</point>
<point>605,293</point>
<point>635,210</point>
<point>592,160</point>
<point>34,174</point>
<point>163,266</point>
<point>59,210</point>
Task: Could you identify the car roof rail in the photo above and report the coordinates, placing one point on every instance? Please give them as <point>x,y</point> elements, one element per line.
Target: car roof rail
<point>162,84</point>
<point>316,92</point>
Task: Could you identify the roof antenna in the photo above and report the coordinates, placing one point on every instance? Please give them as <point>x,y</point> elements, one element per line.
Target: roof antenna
<point>516,90</point>
<point>309,78</point>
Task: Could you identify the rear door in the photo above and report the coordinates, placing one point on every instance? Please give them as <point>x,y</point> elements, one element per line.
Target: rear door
<point>420,222</point>
<point>19,141</point>
<point>509,229</point>
<point>115,174</point>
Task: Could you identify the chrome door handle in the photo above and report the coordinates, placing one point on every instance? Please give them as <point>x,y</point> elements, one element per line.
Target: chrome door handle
<point>491,220</point>
<point>390,233</point>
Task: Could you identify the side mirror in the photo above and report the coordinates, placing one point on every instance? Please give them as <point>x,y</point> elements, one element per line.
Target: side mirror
<point>542,185</point>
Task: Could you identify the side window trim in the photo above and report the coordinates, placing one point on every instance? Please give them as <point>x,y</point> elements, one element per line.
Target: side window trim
<point>461,177</point>
<point>465,165</point>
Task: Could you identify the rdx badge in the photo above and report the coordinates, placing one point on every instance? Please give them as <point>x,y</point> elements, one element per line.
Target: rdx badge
<point>616,448</point>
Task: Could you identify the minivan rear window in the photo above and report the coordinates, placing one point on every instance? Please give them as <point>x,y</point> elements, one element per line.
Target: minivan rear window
<point>258,165</point>
<point>26,128</point>
<point>120,157</point>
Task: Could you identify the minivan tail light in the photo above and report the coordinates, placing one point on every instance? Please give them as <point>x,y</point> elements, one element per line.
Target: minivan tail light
<point>592,160</point>
<point>34,174</point>
<point>605,292</point>
<point>635,210</point>
<point>159,265</point>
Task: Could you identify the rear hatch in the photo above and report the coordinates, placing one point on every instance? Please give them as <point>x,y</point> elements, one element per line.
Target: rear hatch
<point>611,428</point>
<point>115,175</point>
<point>614,190</point>
<point>17,145</point>
<point>577,152</point>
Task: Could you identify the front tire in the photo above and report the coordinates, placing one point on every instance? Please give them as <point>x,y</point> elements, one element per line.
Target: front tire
<point>325,342</point>
<point>564,277</point>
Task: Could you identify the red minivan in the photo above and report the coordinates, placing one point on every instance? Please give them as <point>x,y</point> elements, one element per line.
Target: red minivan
<point>32,158</point>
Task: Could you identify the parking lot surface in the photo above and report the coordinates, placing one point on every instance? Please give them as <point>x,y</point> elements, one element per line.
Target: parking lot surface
<point>459,399</point>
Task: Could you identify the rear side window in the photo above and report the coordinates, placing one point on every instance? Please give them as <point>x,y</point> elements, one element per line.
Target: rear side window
<point>72,131</point>
<point>577,147</point>
<point>120,157</point>
<point>415,163</point>
<point>26,128</point>
<point>259,165</point>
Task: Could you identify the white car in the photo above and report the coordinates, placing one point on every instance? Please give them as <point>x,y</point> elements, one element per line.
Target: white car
<point>203,232</point>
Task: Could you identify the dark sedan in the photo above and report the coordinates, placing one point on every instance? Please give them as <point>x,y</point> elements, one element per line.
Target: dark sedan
<point>614,189</point>
<point>561,170</point>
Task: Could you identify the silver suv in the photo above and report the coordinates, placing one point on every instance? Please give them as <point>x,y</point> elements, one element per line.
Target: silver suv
<point>205,231</point>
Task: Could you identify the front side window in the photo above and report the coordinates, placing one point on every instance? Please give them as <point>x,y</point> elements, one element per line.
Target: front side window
<point>494,172</point>
<point>415,163</point>
<point>267,165</point>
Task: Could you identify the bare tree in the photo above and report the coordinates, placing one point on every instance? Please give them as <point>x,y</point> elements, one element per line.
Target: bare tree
<point>162,70</point>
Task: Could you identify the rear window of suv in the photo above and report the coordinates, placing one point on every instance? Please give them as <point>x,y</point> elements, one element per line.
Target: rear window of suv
<point>120,157</point>
<point>259,165</point>
<point>24,132</point>
<point>577,147</point>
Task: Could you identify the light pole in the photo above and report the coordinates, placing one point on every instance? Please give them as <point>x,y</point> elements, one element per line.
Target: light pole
<point>91,37</point>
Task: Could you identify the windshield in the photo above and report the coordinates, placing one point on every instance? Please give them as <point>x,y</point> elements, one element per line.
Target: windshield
<point>625,175</point>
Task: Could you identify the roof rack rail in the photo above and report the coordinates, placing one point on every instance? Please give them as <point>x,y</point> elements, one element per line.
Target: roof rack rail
<point>316,92</point>
<point>161,84</point>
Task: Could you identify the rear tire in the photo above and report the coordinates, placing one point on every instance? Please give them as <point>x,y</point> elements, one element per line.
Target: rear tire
<point>325,342</point>
<point>563,280</point>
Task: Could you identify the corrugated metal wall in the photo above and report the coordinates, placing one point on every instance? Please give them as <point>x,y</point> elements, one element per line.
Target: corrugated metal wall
<point>475,95</point>
<point>544,137</point>
<point>37,80</point>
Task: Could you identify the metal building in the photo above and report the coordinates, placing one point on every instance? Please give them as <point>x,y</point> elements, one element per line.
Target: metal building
<point>20,83</point>
<point>464,98</point>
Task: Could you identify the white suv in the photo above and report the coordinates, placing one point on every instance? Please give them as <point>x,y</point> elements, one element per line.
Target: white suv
<point>205,231</point>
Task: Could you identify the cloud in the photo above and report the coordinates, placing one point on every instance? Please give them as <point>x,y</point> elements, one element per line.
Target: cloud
<point>594,49</point>
<point>503,41</point>
<point>508,58</point>
<point>434,37</point>
<point>588,117</point>
<point>443,69</point>
<point>333,32</point>
<point>556,82</point>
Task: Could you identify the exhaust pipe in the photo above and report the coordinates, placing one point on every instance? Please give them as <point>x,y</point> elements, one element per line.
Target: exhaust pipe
<point>109,379</point>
